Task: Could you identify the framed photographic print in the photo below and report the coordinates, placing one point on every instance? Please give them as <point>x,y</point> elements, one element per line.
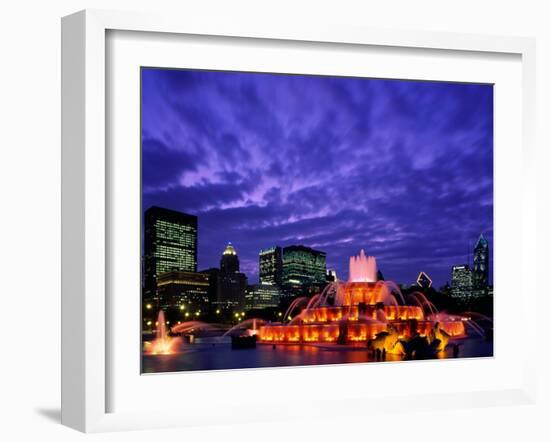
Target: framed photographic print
<point>256,209</point>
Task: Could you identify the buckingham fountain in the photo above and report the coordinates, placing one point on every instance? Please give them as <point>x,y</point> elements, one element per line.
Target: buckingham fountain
<point>365,309</point>
<point>362,312</point>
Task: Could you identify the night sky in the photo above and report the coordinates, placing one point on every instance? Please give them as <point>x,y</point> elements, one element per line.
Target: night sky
<point>402,169</point>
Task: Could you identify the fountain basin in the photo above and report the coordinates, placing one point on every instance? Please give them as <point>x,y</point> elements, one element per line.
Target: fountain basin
<point>355,313</point>
<point>354,331</point>
<point>322,333</point>
<point>358,310</point>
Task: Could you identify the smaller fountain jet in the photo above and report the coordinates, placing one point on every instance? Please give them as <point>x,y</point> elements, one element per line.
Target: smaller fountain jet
<point>163,344</point>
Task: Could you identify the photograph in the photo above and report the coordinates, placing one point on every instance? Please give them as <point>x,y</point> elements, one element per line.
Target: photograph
<point>301,220</point>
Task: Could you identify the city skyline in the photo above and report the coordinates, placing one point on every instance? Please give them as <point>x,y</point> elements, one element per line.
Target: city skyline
<point>271,249</point>
<point>402,169</point>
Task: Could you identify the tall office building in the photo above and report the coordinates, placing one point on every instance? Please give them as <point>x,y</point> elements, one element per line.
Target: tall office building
<point>271,266</point>
<point>229,263</point>
<point>303,266</point>
<point>480,273</point>
<point>232,283</point>
<point>170,244</point>
<point>461,282</point>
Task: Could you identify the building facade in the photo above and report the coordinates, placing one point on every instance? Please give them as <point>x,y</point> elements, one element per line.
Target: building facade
<point>461,281</point>
<point>213,284</point>
<point>271,266</point>
<point>170,244</point>
<point>260,296</point>
<point>188,291</point>
<point>480,272</point>
<point>304,270</point>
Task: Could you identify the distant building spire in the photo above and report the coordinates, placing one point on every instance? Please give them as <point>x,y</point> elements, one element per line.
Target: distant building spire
<point>481,265</point>
<point>481,242</point>
<point>229,249</point>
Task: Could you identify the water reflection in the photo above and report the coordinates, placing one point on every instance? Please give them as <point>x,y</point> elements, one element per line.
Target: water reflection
<point>220,356</point>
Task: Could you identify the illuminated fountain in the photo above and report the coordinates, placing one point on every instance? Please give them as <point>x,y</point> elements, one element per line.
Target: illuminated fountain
<point>364,309</point>
<point>163,344</point>
<point>194,327</point>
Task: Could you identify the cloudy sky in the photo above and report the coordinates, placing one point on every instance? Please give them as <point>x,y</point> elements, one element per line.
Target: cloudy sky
<point>402,169</point>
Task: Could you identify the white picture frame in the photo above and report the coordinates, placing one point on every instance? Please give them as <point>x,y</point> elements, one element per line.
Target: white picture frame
<point>85,207</point>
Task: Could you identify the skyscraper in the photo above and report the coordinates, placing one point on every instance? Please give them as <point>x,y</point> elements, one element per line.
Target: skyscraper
<point>232,283</point>
<point>170,244</point>
<point>304,266</point>
<point>480,274</point>
<point>271,266</point>
<point>461,283</point>
<point>229,263</point>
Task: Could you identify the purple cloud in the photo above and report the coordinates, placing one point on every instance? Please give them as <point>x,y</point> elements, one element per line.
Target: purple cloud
<point>403,169</point>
